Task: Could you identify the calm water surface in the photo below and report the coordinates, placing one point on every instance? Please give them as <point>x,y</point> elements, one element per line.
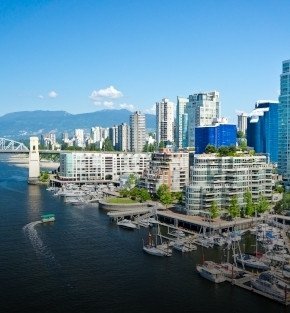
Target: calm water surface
<point>85,263</point>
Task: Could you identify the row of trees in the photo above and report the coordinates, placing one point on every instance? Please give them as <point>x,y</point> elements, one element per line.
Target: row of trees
<point>249,209</point>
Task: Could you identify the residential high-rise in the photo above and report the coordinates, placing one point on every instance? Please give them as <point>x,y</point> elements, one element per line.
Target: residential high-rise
<point>218,179</point>
<point>202,109</point>
<point>283,125</point>
<point>80,138</point>
<point>242,122</point>
<point>262,129</point>
<point>124,137</point>
<point>164,121</point>
<point>137,131</point>
<point>181,120</point>
<point>113,136</point>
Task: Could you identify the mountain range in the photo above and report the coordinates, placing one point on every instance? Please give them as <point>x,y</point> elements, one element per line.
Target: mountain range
<point>27,123</point>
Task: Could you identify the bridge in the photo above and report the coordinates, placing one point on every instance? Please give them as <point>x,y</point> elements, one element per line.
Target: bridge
<point>10,146</point>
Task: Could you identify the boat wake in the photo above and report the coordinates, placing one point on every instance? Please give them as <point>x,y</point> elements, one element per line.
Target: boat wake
<point>38,245</point>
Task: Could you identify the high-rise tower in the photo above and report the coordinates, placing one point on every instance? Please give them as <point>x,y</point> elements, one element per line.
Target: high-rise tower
<point>202,109</point>
<point>181,123</point>
<point>137,131</point>
<point>164,121</point>
<point>283,125</point>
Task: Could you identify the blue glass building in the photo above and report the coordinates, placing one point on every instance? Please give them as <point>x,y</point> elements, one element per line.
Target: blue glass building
<point>217,135</point>
<point>262,129</point>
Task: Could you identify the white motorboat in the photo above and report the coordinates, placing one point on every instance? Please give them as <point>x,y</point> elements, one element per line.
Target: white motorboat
<point>128,224</point>
<point>268,284</point>
<point>209,271</point>
<point>178,233</point>
<point>180,247</point>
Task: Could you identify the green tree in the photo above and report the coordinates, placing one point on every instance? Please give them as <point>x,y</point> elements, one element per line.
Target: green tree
<point>164,195</point>
<point>210,149</point>
<point>243,145</point>
<point>131,181</point>
<point>234,208</point>
<point>214,211</point>
<point>134,193</point>
<point>249,207</point>
<point>107,146</point>
<point>124,193</point>
<point>262,205</point>
<point>144,195</point>
<point>240,134</point>
<point>161,145</point>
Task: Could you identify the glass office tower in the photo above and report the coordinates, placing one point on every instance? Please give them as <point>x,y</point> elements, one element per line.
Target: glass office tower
<point>284,125</point>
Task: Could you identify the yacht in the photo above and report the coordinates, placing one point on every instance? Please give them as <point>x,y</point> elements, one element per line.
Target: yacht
<point>266,282</point>
<point>128,224</point>
<point>210,271</point>
<point>251,261</point>
<point>47,218</point>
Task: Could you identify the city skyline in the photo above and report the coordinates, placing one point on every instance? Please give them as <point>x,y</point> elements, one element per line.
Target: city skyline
<point>82,57</point>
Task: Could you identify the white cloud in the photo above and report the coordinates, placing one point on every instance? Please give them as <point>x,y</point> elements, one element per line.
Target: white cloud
<point>109,93</point>
<point>151,110</point>
<point>111,105</point>
<point>52,94</point>
<point>127,106</point>
<point>40,96</point>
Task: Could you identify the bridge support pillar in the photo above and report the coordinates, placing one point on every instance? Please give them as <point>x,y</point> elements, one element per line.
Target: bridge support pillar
<point>34,165</point>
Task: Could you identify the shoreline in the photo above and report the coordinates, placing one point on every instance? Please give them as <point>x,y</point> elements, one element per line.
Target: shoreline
<point>21,161</point>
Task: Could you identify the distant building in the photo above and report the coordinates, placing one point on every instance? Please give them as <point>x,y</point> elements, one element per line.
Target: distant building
<point>93,166</point>
<point>242,122</point>
<point>164,121</point>
<point>166,167</point>
<point>202,109</point>
<point>262,129</point>
<point>80,138</point>
<point>113,136</point>
<point>137,131</point>
<point>181,123</point>
<point>283,122</point>
<point>214,178</point>
<point>124,137</point>
<point>216,135</point>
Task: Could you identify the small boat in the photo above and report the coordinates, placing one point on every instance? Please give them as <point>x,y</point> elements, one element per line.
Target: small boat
<point>251,261</point>
<point>152,249</point>
<point>210,271</point>
<point>46,218</point>
<point>266,282</point>
<point>180,247</point>
<point>125,223</point>
<point>178,233</point>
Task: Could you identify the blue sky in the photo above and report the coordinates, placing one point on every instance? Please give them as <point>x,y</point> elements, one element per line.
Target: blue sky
<point>85,55</point>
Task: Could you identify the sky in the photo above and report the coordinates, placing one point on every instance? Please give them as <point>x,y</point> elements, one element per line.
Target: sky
<point>86,55</point>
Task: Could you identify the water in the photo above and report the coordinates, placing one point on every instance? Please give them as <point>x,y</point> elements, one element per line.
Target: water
<point>83,262</point>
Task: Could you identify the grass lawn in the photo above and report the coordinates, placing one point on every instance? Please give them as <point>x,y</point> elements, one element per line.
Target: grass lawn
<point>120,200</point>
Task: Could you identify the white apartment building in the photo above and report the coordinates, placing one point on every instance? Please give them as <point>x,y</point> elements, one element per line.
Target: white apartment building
<point>202,109</point>
<point>164,121</point>
<point>79,138</point>
<point>214,178</point>
<point>137,131</point>
<point>93,166</point>
<point>242,122</point>
<point>166,167</point>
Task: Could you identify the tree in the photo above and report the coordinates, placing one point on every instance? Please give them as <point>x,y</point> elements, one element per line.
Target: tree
<point>240,134</point>
<point>243,145</point>
<point>250,207</point>
<point>161,144</point>
<point>131,181</point>
<point>210,149</point>
<point>144,195</point>
<point>124,193</point>
<point>134,193</point>
<point>107,146</point>
<point>164,194</point>
<point>214,211</point>
<point>234,209</point>
<point>262,205</point>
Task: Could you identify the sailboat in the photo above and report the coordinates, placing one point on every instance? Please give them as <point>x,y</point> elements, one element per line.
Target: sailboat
<point>153,249</point>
